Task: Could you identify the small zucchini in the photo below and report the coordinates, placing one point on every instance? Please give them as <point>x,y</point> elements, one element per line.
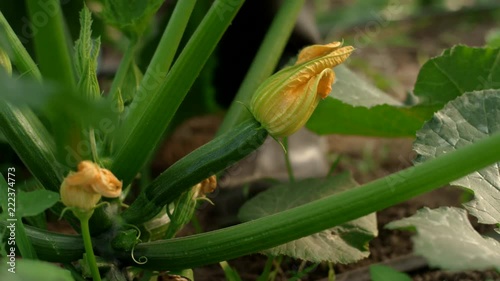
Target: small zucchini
<point>209,159</point>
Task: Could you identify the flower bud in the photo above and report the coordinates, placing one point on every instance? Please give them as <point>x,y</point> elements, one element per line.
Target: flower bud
<point>208,185</point>
<point>286,100</point>
<point>79,196</point>
<point>5,62</point>
<point>84,188</point>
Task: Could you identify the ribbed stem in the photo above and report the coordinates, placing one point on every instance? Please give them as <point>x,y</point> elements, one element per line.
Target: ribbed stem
<point>264,63</point>
<point>276,229</point>
<point>150,114</point>
<point>87,242</point>
<point>51,45</point>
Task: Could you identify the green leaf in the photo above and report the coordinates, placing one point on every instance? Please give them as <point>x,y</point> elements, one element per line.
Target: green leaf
<point>67,112</point>
<point>463,121</point>
<point>33,270</point>
<point>54,101</point>
<point>458,70</point>
<point>447,240</point>
<point>356,107</point>
<point>335,117</point>
<point>125,240</point>
<point>365,110</point>
<point>384,273</point>
<point>86,53</point>
<point>34,202</point>
<point>131,17</point>
<point>351,89</point>
<point>17,53</point>
<point>342,244</point>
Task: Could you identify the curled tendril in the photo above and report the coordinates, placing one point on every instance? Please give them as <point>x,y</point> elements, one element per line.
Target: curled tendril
<point>142,259</point>
<point>136,228</point>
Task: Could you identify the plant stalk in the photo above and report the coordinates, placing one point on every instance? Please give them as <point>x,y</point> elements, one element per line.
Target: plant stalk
<point>51,47</point>
<point>264,63</point>
<point>125,64</point>
<point>289,225</point>
<point>165,52</point>
<point>87,242</point>
<point>288,161</point>
<point>20,57</point>
<point>151,114</point>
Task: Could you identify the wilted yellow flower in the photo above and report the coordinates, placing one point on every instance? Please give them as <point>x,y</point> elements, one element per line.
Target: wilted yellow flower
<point>208,185</point>
<point>286,100</point>
<point>84,188</point>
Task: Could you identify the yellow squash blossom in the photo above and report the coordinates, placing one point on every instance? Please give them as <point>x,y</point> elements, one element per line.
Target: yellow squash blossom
<point>84,188</point>
<point>286,100</point>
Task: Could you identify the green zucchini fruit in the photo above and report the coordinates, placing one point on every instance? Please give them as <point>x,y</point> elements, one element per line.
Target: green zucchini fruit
<point>32,143</point>
<point>53,247</point>
<point>209,159</point>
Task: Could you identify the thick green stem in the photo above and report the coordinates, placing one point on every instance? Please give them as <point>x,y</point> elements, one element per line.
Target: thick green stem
<point>150,114</point>
<point>20,57</point>
<point>87,242</point>
<point>273,230</point>
<point>264,63</point>
<point>288,162</point>
<point>125,64</point>
<point>164,55</point>
<point>51,47</point>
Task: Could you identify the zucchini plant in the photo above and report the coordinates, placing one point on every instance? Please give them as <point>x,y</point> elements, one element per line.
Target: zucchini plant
<point>85,143</point>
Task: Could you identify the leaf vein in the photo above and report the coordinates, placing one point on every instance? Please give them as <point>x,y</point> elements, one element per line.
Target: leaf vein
<point>460,90</point>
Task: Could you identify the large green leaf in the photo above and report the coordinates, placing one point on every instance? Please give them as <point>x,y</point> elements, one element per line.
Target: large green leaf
<point>34,202</point>
<point>66,111</point>
<point>471,117</point>
<point>447,240</point>
<point>55,102</point>
<point>335,117</point>
<point>352,89</point>
<point>357,108</point>
<point>458,70</point>
<point>131,17</point>
<point>342,244</point>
